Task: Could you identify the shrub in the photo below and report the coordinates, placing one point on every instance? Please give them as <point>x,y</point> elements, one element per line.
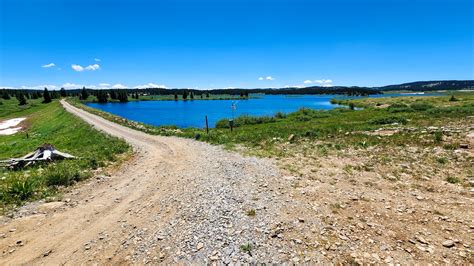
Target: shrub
<point>62,175</point>
<point>388,120</point>
<point>399,107</point>
<point>22,188</point>
<point>453,180</point>
<point>245,120</point>
<point>280,115</point>
<point>453,99</point>
<point>422,106</point>
<point>438,136</point>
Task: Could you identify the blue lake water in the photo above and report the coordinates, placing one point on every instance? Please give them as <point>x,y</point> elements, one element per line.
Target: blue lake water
<point>192,113</point>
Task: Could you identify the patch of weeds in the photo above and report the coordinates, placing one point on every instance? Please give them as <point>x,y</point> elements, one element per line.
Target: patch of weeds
<point>442,160</point>
<point>422,106</point>
<point>348,168</point>
<point>335,207</point>
<point>389,120</point>
<point>453,180</point>
<point>63,175</point>
<point>247,248</point>
<point>438,137</point>
<point>450,146</point>
<point>251,212</point>
<point>21,188</point>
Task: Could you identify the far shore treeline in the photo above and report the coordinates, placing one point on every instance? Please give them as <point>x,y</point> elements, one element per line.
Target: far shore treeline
<point>122,95</point>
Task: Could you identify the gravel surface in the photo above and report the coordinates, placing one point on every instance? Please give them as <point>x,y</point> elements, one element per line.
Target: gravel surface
<point>177,200</point>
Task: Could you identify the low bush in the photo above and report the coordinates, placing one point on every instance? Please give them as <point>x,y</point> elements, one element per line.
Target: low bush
<point>388,120</point>
<point>20,188</point>
<point>421,106</point>
<point>63,175</point>
<point>245,120</point>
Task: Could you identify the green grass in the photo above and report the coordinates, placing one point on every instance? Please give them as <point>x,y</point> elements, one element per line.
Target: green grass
<point>50,123</point>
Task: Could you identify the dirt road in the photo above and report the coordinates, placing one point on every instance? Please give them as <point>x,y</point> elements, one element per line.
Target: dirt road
<point>178,200</point>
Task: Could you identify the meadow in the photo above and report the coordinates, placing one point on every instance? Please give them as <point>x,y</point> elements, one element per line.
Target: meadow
<point>50,123</point>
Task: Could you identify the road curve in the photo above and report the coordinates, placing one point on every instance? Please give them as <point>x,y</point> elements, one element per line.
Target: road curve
<point>176,201</point>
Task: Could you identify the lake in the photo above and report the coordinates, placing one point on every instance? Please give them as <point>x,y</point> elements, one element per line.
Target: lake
<point>192,113</point>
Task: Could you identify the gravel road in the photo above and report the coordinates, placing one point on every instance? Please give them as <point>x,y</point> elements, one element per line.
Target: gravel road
<point>176,201</point>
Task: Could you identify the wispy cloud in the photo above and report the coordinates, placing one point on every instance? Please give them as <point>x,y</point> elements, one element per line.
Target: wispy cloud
<point>48,65</point>
<point>97,59</point>
<point>40,87</point>
<point>77,68</point>
<point>80,68</point>
<point>321,82</point>
<point>150,85</point>
<point>266,78</point>
<point>92,67</point>
<point>119,86</point>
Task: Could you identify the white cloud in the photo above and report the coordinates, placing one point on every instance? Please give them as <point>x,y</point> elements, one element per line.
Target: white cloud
<point>97,59</point>
<point>40,87</point>
<point>68,86</point>
<point>80,68</point>
<point>266,78</point>
<point>150,85</point>
<point>77,68</point>
<point>48,65</point>
<point>92,67</point>
<point>323,81</point>
<point>320,82</point>
<point>118,86</point>
<point>104,84</point>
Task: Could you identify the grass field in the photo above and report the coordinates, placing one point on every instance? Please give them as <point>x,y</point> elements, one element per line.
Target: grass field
<point>50,123</point>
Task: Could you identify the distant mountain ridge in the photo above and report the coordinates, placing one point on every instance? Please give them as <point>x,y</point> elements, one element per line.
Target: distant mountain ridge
<point>431,85</point>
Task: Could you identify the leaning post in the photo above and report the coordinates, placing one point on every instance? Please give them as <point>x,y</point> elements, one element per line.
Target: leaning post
<point>207,126</point>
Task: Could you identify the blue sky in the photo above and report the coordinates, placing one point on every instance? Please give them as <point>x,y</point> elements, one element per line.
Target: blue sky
<point>233,43</point>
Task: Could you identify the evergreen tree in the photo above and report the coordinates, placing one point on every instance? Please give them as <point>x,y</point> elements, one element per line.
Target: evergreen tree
<point>84,94</point>
<point>102,96</point>
<point>5,95</point>
<point>175,96</point>
<point>46,96</point>
<point>21,98</point>
<point>191,95</point>
<point>122,96</point>
<point>207,94</point>
<point>185,95</point>
<point>63,92</point>
<point>113,95</point>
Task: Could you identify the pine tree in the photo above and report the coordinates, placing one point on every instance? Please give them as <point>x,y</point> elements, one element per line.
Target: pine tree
<point>21,98</point>
<point>102,96</point>
<point>84,94</point>
<point>175,96</point>
<point>207,95</point>
<point>113,95</point>
<point>63,92</point>
<point>5,95</point>
<point>191,95</point>
<point>185,95</point>
<point>46,96</point>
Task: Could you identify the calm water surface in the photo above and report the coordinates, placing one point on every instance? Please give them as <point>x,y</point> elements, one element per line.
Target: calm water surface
<point>192,113</point>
